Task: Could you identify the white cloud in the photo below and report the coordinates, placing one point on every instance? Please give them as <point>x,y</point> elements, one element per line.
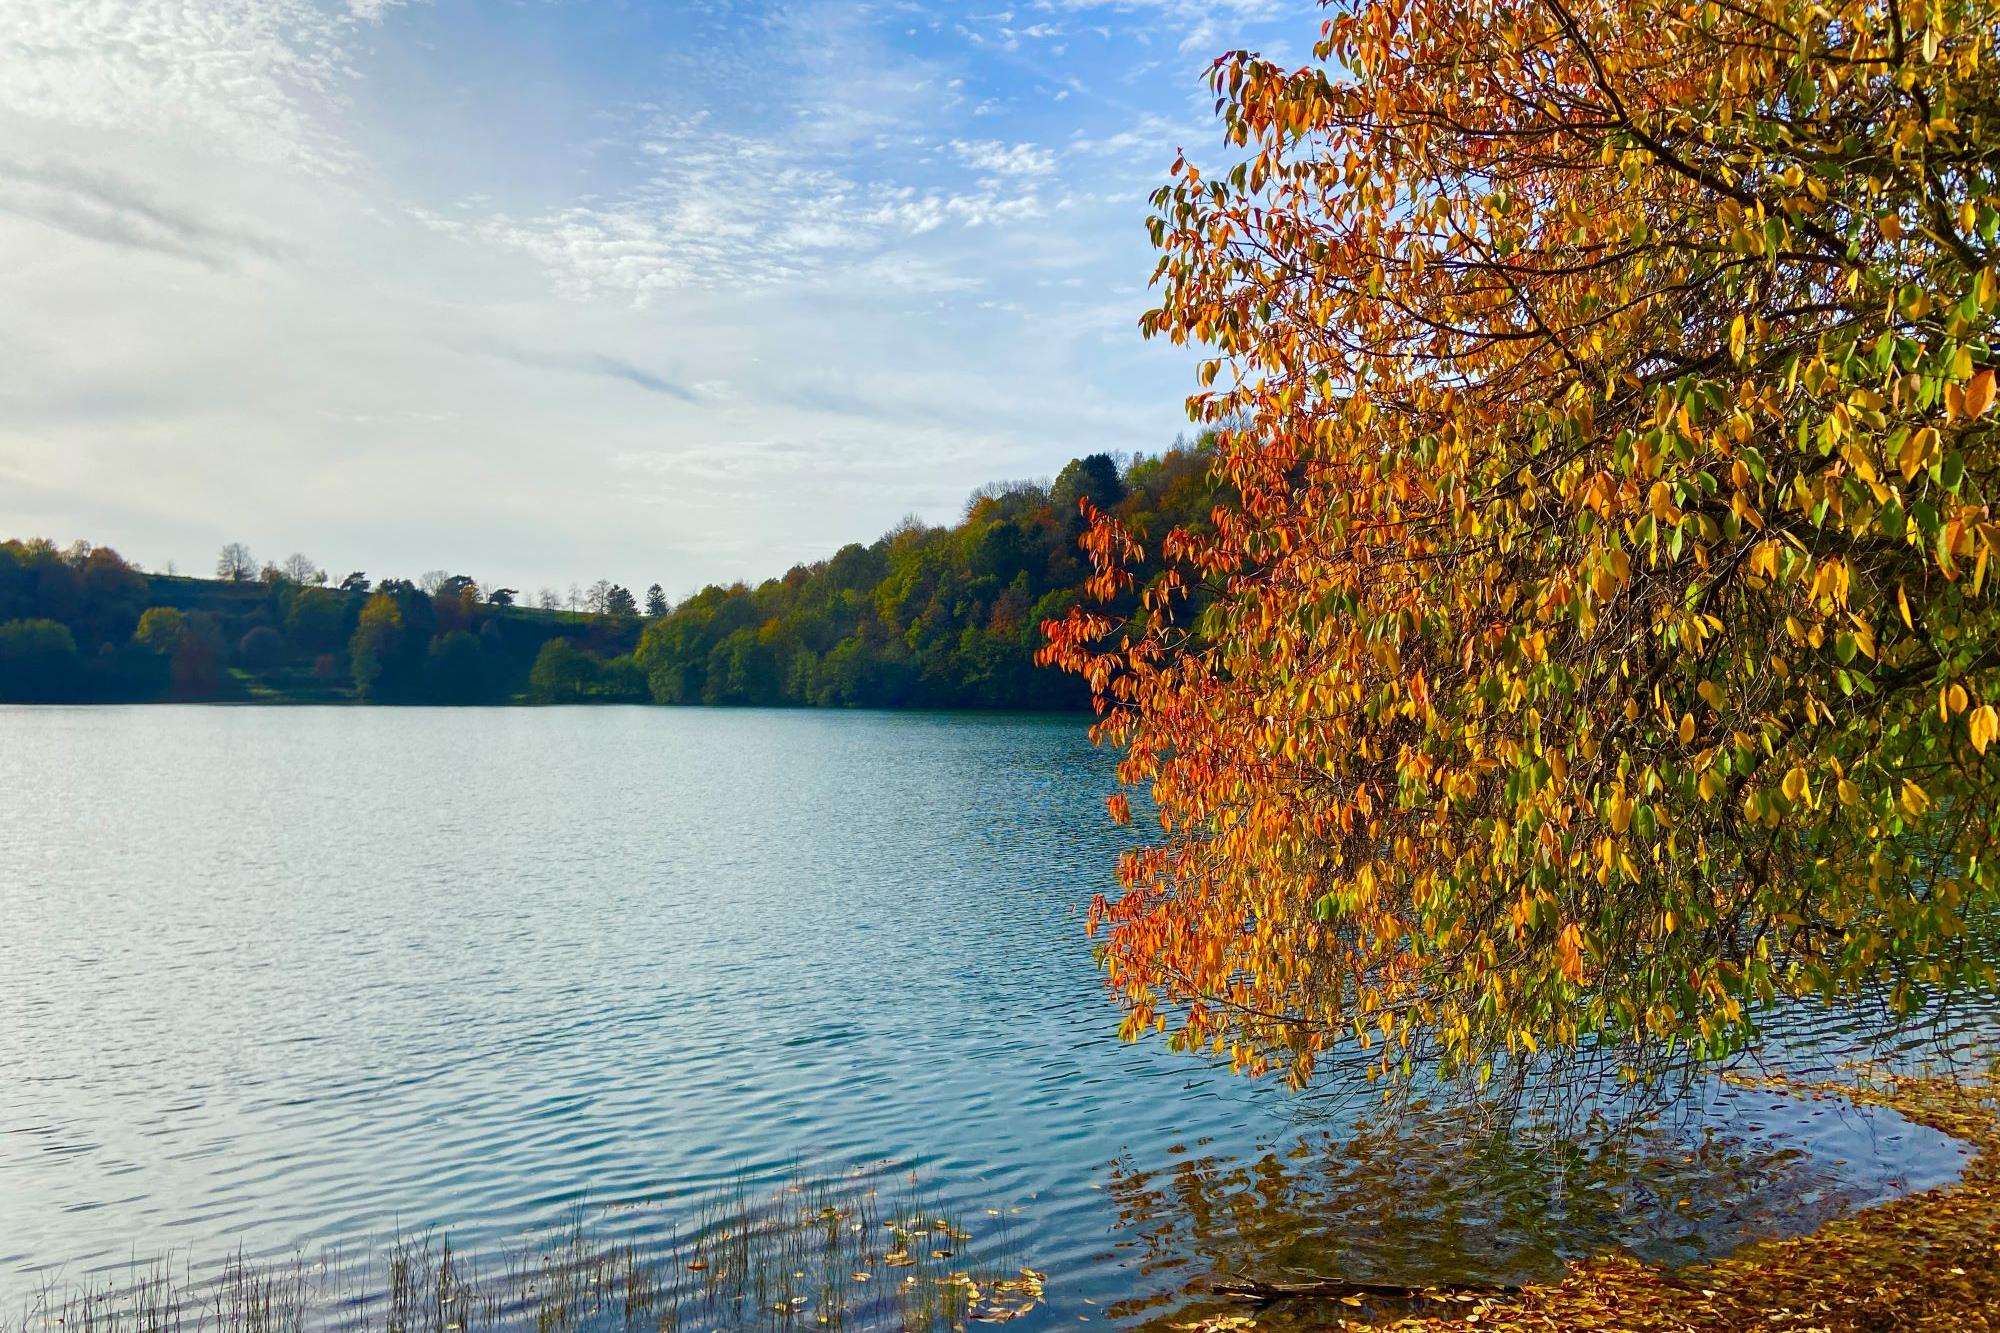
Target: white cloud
<point>990,155</point>
<point>244,77</point>
<point>720,209</point>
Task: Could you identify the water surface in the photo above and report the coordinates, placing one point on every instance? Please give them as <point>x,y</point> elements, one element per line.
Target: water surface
<point>276,978</point>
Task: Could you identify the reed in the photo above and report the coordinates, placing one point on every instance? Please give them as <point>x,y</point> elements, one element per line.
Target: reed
<point>815,1253</point>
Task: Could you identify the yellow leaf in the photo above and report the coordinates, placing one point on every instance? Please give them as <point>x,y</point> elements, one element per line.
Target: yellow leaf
<point>1984,725</point>
<point>1736,338</point>
<point>1795,783</point>
<point>1915,802</point>
<point>1916,451</point>
<point>1955,698</point>
<point>1687,728</point>
<point>1848,792</point>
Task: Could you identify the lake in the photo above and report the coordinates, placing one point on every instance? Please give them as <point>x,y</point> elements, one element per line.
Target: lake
<point>278,979</point>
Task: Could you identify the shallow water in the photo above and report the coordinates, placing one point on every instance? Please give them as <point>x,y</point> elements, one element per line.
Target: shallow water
<point>278,978</point>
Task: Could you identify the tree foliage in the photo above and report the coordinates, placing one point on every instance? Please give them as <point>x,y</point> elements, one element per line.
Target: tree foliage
<point>1603,650</point>
<point>142,638</point>
<point>37,661</point>
<point>926,616</point>
<point>565,674</point>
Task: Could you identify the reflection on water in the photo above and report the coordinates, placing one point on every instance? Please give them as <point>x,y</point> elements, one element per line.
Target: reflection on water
<point>1433,1198</point>
<point>281,979</point>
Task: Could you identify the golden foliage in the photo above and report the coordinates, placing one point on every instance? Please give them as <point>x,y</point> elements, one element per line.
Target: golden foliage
<point>1597,647</point>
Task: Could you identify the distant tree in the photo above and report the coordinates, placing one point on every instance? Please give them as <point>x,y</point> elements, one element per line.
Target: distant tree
<point>196,671</point>
<point>260,649</point>
<point>432,579</point>
<point>453,587</point>
<point>377,641</point>
<point>38,661</point>
<point>457,670</point>
<point>160,629</point>
<point>743,669</point>
<point>270,573</point>
<point>112,596</point>
<point>599,597</point>
<point>317,620</point>
<point>355,582</point>
<point>618,602</point>
<point>656,601</point>
<point>1095,477</point>
<point>549,599</point>
<point>236,564</point>
<point>563,673</point>
<point>575,598</point>
<point>299,569</point>
<point>503,596</point>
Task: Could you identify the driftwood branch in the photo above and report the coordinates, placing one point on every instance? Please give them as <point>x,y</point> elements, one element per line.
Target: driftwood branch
<point>1270,1293</point>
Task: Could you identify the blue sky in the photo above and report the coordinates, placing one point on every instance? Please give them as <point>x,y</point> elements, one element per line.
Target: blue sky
<point>552,290</point>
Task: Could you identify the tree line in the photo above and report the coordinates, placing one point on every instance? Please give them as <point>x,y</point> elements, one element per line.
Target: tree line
<point>82,624</point>
<point>931,616</point>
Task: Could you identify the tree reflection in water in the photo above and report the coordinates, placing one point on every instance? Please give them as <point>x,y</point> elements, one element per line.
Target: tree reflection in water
<point>1434,1197</point>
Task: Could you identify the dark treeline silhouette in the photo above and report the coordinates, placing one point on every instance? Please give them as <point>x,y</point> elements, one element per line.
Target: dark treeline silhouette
<point>924,616</point>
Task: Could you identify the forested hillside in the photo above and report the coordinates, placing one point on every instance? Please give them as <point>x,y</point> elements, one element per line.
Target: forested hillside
<point>923,616</point>
<point>933,617</point>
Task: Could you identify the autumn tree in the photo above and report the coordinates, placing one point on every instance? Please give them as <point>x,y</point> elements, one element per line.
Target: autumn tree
<point>656,602</point>
<point>160,629</point>
<point>1600,652</point>
<point>260,649</point>
<point>376,646</point>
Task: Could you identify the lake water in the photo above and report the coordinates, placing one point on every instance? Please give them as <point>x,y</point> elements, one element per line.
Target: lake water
<point>297,978</point>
